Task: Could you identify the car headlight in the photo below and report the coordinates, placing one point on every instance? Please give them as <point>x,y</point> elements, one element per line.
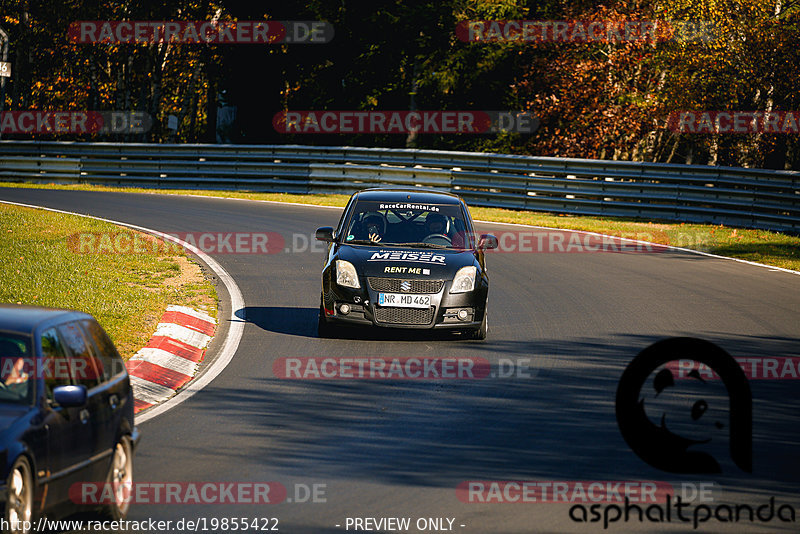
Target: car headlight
<point>464,280</point>
<point>346,274</point>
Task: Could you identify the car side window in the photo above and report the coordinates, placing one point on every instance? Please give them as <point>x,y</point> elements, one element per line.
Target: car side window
<point>55,366</point>
<point>106,353</point>
<point>347,219</point>
<point>16,370</point>
<point>81,360</point>
<point>340,226</point>
<point>471,240</point>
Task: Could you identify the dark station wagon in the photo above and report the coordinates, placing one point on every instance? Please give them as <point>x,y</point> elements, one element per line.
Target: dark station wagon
<point>66,414</point>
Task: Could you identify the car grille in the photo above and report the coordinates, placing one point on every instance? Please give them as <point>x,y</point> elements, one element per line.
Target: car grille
<point>404,315</point>
<point>400,285</point>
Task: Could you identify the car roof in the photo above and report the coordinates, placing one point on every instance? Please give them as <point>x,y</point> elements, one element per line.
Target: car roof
<point>409,194</point>
<point>25,319</point>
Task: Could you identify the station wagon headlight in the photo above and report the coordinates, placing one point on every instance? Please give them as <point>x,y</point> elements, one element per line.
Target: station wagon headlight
<point>346,274</point>
<point>464,280</point>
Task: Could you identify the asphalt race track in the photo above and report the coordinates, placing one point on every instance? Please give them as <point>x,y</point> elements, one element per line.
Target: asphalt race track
<point>382,449</point>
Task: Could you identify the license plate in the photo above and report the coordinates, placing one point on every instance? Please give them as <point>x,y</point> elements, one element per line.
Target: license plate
<point>404,300</point>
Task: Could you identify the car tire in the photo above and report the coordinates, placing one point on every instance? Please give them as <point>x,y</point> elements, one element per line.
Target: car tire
<point>481,332</point>
<point>19,503</point>
<point>120,478</point>
<point>324,329</point>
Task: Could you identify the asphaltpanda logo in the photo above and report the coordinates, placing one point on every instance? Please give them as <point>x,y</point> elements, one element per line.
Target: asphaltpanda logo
<point>679,441</point>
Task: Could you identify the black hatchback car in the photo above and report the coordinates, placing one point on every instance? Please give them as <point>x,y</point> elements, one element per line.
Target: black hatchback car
<point>66,415</point>
<point>405,258</point>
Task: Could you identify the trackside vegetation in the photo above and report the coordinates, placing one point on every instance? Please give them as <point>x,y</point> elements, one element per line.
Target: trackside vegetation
<point>41,265</point>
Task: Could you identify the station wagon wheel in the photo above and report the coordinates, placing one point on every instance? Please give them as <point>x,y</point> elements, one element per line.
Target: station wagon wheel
<point>120,479</point>
<point>19,504</point>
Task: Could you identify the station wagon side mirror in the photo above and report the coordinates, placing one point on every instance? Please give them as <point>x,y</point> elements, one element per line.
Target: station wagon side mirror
<point>70,396</point>
<point>324,234</point>
<point>487,241</point>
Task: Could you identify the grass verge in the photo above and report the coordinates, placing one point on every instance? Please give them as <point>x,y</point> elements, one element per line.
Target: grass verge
<point>127,293</point>
<point>762,246</point>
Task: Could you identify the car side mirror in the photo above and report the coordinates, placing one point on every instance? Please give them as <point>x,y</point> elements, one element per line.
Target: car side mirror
<point>70,396</point>
<point>487,241</point>
<point>324,234</point>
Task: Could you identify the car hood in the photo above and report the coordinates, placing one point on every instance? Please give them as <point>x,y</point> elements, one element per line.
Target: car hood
<point>406,262</point>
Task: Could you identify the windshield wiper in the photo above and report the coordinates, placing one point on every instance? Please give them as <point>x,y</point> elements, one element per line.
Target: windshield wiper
<point>382,244</point>
<point>362,242</point>
<point>420,245</point>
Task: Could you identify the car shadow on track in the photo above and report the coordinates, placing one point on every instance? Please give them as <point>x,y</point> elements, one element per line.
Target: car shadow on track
<point>282,319</point>
<point>557,424</point>
<point>303,322</point>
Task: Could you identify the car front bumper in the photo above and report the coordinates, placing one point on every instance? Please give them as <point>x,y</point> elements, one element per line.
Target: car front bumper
<point>442,314</point>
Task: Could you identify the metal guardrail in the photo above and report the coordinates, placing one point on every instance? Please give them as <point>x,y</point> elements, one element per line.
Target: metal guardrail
<point>733,196</point>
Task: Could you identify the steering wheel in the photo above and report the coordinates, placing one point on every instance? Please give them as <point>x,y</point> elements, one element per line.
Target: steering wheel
<point>433,237</point>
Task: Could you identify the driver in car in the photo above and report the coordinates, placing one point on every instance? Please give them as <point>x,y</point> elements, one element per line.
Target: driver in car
<point>436,223</point>
<point>375,226</point>
<point>13,373</point>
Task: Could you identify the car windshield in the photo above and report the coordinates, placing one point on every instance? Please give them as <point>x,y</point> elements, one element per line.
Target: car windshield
<point>16,369</point>
<point>408,224</point>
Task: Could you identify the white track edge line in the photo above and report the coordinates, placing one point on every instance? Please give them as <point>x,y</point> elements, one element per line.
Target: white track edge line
<point>249,200</point>
<point>701,253</point>
<point>232,338</point>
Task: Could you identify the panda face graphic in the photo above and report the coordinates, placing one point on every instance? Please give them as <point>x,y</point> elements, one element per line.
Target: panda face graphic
<point>690,407</point>
<point>685,424</point>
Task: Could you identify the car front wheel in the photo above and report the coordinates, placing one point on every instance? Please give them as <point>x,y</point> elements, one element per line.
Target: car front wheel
<point>483,330</point>
<point>120,479</point>
<point>19,503</point>
<point>324,328</point>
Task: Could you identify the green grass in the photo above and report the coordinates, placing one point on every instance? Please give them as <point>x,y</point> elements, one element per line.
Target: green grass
<point>761,246</point>
<point>770,248</point>
<point>41,265</point>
